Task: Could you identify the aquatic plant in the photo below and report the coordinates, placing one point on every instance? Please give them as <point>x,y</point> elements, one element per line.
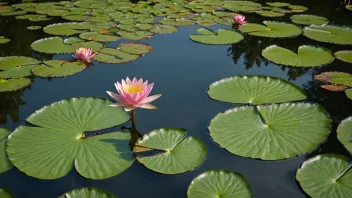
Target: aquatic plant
<point>239,19</point>
<point>84,54</point>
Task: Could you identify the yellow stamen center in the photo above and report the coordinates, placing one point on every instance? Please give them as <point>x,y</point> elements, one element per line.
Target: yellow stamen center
<point>133,89</point>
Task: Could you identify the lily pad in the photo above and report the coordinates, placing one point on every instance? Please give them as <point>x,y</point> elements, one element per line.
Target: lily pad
<point>178,154</point>
<point>345,56</point>
<point>13,84</point>
<point>67,29</point>
<point>272,29</point>
<point>307,56</point>
<point>349,93</point>
<point>178,22</point>
<point>14,13</point>
<point>4,193</point>
<point>58,68</point>
<point>135,35</point>
<point>271,132</point>
<point>11,62</point>
<point>219,183</point>
<point>114,56</point>
<point>325,176</point>
<point>220,37</point>
<point>329,34</point>
<point>164,29</point>
<point>334,87</point>
<point>349,7</point>
<point>5,164</point>
<point>88,193</point>
<point>17,72</point>
<point>61,141</point>
<point>255,90</point>
<point>4,40</point>
<point>344,133</point>
<point>297,8</point>
<point>36,27</point>
<point>135,48</point>
<point>270,13</point>
<point>340,78</point>
<point>309,19</point>
<point>278,4</point>
<point>96,36</point>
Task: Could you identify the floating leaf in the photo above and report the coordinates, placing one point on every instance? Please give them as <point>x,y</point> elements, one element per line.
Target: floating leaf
<point>67,29</point>
<point>58,68</point>
<point>11,62</point>
<point>206,22</point>
<point>270,13</point>
<point>164,29</point>
<point>178,154</point>
<point>307,56</point>
<point>272,29</point>
<point>88,193</point>
<point>135,48</point>
<point>278,4</point>
<point>71,40</point>
<point>135,35</point>
<point>297,8</point>
<point>329,34</point>
<point>240,8</point>
<point>60,141</point>
<point>349,7</point>
<point>334,87</point>
<point>4,193</point>
<point>14,13</point>
<point>5,164</point>
<point>114,56</point>
<point>309,20</point>
<point>325,176</point>
<point>34,27</point>
<point>17,72</point>
<point>349,93</point>
<point>96,36</point>
<point>220,37</point>
<point>4,40</point>
<point>344,56</point>
<point>178,22</point>
<point>271,132</point>
<point>219,183</point>
<point>255,90</point>
<point>144,26</point>
<point>344,133</point>
<point>13,84</point>
<point>335,77</point>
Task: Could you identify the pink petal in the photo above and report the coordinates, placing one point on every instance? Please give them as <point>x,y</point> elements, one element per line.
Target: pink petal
<point>128,80</point>
<point>117,105</point>
<point>129,108</point>
<point>151,98</point>
<point>147,106</point>
<point>115,96</point>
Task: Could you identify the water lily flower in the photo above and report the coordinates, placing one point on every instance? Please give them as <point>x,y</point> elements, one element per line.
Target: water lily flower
<point>84,54</point>
<point>133,94</point>
<point>239,19</point>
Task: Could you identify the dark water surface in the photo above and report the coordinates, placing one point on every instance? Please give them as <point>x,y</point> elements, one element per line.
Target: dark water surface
<point>182,71</point>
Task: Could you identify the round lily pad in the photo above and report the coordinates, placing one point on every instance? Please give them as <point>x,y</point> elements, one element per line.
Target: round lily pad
<point>307,56</point>
<point>278,4</point>
<point>58,68</point>
<point>88,193</point>
<point>13,84</point>
<point>271,132</point>
<point>309,19</point>
<point>334,87</point>
<point>67,29</point>
<point>34,27</point>
<point>220,37</point>
<point>5,164</point>
<point>344,133</point>
<point>219,183</point>
<point>340,78</point>
<point>345,56</point>
<point>176,153</point>
<point>135,35</point>
<point>325,176</point>
<point>329,34</point>
<point>114,56</point>
<point>272,29</point>
<point>17,72</point>
<point>96,36</point>
<point>270,13</point>
<point>135,48</point>
<point>4,193</point>
<point>297,8</point>
<point>11,62</point>
<point>255,90</point>
<point>178,22</point>
<point>4,40</point>
<point>164,29</point>
<point>61,141</point>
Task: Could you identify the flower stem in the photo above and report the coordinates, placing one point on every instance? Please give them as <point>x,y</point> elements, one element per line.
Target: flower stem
<point>133,119</point>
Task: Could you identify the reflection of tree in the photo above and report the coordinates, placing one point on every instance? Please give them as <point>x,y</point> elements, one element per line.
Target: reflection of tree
<point>10,103</point>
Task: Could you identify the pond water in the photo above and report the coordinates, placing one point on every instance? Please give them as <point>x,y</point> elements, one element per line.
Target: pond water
<point>182,71</point>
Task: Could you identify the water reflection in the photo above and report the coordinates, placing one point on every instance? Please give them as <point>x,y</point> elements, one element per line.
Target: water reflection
<point>10,103</point>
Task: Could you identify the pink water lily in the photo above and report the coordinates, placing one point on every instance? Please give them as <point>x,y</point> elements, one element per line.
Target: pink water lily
<point>84,54</point>
<point>239,19</point>
<point>133,94</point>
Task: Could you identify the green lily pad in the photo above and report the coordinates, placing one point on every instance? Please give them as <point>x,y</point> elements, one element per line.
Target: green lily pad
<point>67,29</point>
<point>206,22</point>
<point>144,26</point>
<point>58,68</point>
<point>164,29</point>
<point>325,176</point>
<point>178,22</point>
<point>178,154</point>
<point>17,72</point>
<point>345,56</point>
<point>219,183</point>
<point>4,40</point>
<point>5,164</point>
<point>88,193</point>
<point>13,84</point>
<point>349,7</point>
<point>71,40</point>
<point>255,90</point>
<point>307,56</point>
<point>271,132</point>
<point>56,45</point>
<point>220,37</point>
<point>39,18</point>
<point>4,193</point>
<point>14,13</point>
<point>281,10</point>
<point>309,19</point>
<point>349,93</point>
<point>344,133</point>
<point>36,27</point>
<point>241,8</point>
<point>329,34</point>
<point>278,4</point>
<point>272,29</point>
<point>11,62</point>
<point>135,48</point>
<point>335,77</point>
<point>60,141</point>
<point>135,35</point>
<point>297,8</point>
<point>96,36</point>
<point>270,13</point>
<point>114,56</point>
